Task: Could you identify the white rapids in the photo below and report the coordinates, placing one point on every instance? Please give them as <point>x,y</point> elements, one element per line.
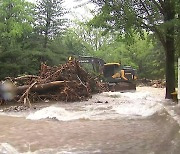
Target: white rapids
<point>6,148</point>
<point>118,105</point>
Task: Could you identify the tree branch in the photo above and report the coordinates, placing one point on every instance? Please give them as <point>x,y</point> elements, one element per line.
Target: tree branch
<point>148,14</point>
<point>146,10</point>
<point>162,3</point>
<point>160,36</point>
<point>157,32</point>
<point>158,6</point>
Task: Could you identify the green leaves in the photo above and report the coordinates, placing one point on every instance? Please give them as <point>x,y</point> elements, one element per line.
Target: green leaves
<point>49,18</point>
<point>15,20</point>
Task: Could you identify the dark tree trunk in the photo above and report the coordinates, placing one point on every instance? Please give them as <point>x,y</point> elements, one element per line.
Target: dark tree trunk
<point>45,40</point>
<point>170,71</point>
<point>47,27</point>
<point>46,33</point>
<point>48,20</point>
<point>169,48</point>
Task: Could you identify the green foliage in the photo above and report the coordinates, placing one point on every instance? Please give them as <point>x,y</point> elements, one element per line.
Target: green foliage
<point>49,18</point>
<point>29,37</point>
<point>21,44</point>
<point>158,17</point>
<point>15,22</point>
<point>69,44</point>
<point>144,55</point>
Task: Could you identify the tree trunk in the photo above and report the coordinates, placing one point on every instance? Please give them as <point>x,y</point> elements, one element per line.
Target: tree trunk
<point>42,87</point>
<point>46,34</point>
<point>48,20</point>
<point>170,71</point>
<point>169,48</point>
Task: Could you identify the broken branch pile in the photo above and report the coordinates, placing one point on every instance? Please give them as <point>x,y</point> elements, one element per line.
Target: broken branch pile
<point>68,82</point>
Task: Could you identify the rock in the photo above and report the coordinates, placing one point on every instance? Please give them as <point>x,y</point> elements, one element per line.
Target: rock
<point>99,102</point>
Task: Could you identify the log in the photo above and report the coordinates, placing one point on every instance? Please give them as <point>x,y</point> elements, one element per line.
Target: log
<point>41,87</point>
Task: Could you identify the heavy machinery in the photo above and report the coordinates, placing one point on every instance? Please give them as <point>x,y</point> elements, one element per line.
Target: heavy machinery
<point>118,77</point>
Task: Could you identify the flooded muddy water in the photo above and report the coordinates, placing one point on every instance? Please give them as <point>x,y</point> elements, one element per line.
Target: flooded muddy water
<point>140,122</point>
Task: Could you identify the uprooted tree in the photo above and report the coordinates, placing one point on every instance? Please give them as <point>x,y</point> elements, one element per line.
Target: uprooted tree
<point>158,16</point>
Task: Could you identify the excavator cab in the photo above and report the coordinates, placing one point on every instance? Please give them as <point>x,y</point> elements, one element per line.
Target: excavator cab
<point>109,70</point>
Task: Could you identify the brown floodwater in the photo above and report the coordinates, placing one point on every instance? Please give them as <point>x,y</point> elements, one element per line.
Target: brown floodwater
<point>130,123</point>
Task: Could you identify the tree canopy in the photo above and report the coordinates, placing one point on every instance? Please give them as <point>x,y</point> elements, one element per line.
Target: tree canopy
<point>15,22</point>
<point>160,17</point>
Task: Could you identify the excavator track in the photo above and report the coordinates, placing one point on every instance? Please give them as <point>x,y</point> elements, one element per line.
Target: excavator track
<point>122,86</point>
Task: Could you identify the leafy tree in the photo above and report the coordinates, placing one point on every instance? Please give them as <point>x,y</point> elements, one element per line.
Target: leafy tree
<point>49,18</point>
<point>93,36</point>
<point>69,44</point>
<point>143,54</point>
<point>147,57</point>
<point>157,16</point>
<point>16,20</point>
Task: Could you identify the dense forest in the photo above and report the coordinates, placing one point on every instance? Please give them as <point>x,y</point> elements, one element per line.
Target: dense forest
<point>34,33</point>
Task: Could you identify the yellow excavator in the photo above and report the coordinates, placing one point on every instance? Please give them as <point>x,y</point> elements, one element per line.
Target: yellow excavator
<point>118,77</point>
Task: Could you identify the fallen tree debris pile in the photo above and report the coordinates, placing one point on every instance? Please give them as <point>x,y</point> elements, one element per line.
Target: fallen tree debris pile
<point>68,82</point>
<point>153,83</point>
